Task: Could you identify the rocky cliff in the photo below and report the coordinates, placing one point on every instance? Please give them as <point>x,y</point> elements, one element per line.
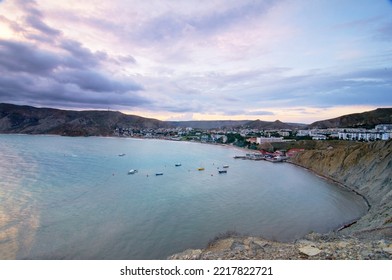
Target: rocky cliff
<point>365,168</point>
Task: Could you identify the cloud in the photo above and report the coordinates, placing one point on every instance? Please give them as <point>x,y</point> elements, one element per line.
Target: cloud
<point>174,25</point>
<point>37,23</point>
<point>25,57</point>
<point>47,77</point>
<point>385,32</point>
<point>128,59</point>
<point>226,58</point>
<point>26,89</point>
<point>34,21</point>
<point>81,57</point>
<point>94,81</point>
<point>260,113</point>
<point>226,17</point>
<point>14,26</point>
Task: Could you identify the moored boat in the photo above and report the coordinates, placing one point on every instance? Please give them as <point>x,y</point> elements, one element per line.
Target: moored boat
<point>222,171</point>
<point>200,168</point>
<point>178,164</point>
<point>158,173</point>
<point>132,171</point>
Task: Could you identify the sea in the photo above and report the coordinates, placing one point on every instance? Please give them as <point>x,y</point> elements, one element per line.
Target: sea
<point>72,198</point>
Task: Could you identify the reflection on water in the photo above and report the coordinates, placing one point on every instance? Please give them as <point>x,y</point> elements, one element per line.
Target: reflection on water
<point>19,218</point>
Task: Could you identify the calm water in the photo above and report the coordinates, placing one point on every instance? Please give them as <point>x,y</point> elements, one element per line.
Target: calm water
<point>71,198</point>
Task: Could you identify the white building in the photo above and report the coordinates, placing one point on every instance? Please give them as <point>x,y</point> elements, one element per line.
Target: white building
<point>364,136</point>
<point>319,137</point>
<point>260,140</point>
<point>384,127</point>
<point>302,133</point>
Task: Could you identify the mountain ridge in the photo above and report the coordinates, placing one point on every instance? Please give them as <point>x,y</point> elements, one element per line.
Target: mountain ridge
<point>366,119</point>
<point>32,120</point>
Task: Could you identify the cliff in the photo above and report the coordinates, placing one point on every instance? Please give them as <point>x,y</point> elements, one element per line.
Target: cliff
<point>365,168</point>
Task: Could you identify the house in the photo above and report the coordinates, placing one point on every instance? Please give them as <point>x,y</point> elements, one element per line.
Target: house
<point>261,140</point>
<point>293,152</point>
<point>302,133</point>
<point>252,140</point>
<point>319,137</point>
<point>384,127</point>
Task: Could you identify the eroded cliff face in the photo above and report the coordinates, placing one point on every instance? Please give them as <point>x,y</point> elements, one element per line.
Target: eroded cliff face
<point>363,167</point>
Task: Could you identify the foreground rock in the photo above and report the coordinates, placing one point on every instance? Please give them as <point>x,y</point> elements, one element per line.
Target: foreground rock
<point>312,247</point>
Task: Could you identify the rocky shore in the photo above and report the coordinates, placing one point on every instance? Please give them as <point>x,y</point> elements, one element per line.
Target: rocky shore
<point>365,168</point>
<point>311,247</point>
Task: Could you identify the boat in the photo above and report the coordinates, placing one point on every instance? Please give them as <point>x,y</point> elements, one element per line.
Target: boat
<point>225,166</point>
<point>178,164</point>
<point>200,168</point>
<point>158,173</point>
<point>132,171</point>
<point>222,171</point>
<point>121,155</point>
<point>274,159</point>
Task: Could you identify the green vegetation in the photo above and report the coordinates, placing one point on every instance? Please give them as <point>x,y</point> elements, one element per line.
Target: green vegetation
<point>236,139</point>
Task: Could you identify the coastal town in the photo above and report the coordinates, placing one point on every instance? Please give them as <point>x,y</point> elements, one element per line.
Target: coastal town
<point>271,145</point>
<point>253,138</point>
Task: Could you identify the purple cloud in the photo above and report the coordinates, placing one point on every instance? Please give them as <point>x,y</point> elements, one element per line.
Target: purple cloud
<point>25,57</point>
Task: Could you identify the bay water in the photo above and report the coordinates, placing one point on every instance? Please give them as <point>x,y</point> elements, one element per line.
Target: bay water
<point>72,198</point>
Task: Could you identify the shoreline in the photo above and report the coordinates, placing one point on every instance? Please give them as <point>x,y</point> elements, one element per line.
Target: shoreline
<point>336,182</point>
<point>343,186</point>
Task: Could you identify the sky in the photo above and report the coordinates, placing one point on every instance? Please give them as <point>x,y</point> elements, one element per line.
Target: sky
<point>288,60</point>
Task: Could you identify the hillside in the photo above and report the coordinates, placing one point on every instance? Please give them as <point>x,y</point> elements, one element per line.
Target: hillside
<point>360,120</point>
<point>208,124</point>
<point>31,120</point>
<point>263,125</point>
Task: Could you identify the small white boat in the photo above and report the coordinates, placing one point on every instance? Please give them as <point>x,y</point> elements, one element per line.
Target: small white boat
<point>225,166</point>
<point>178,164</point>
<point>132,171</point>
<point>121,155</point>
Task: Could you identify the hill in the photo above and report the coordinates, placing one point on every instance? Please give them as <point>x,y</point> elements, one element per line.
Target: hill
<point>31,120</point>
<point>257,124</point>
<point>359,120</point>
<point>208,124</point>
<point>263,125</point>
